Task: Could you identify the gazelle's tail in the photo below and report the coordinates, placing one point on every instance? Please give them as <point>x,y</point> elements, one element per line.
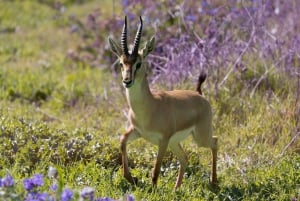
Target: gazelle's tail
<point>201,79</point>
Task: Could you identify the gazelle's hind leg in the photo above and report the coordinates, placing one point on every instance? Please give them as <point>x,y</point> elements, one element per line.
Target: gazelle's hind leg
<point>214,151</point>
<point>203,133</point>
<point>203,137</point>
<point>183,160</point>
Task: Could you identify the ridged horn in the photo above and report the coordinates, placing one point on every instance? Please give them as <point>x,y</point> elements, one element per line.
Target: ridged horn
<point>137,38</point>
<point>124,38</point>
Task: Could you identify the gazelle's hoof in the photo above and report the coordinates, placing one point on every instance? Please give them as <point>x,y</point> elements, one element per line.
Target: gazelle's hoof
<point>135,180</point>
<point>213,184</point>
<point>132,180</point>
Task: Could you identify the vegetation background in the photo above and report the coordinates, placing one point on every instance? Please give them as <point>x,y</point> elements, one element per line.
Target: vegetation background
<point>62,104</point>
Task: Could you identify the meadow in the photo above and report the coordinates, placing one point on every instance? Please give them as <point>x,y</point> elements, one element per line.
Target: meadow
<point>62,104</point>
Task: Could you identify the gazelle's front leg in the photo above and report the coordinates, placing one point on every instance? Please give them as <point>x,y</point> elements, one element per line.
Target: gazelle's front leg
<point>130,135</point>
<point>163,145</point>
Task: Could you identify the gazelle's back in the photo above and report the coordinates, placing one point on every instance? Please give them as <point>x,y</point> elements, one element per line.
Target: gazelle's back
<point>183,109</point>
<point>184,102</point>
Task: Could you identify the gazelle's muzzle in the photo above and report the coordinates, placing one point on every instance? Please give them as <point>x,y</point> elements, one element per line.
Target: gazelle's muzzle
<point>127,79</point>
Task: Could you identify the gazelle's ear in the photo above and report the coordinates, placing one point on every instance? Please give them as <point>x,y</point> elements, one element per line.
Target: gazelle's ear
<point>115,48</point>
<point>148,47</point>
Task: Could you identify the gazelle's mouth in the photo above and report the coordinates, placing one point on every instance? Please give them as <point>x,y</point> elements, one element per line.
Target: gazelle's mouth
<point>128,84</point>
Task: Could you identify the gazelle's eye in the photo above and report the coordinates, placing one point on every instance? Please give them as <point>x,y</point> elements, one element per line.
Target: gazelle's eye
<point>138,65</point>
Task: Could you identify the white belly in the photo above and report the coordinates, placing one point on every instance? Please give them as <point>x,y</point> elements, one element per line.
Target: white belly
<point>155,138</point>
<point>181,135</point>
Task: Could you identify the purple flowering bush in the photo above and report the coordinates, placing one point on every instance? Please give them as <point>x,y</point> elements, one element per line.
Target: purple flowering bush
<point>34,190</point>
<point>221,38</point>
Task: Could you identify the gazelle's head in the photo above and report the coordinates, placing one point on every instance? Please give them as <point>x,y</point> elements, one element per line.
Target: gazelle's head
<point>131,62</point>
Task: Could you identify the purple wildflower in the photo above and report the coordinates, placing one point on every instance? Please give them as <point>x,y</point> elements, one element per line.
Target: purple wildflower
<point>130,198</point>
<point>105,199</point>
<point>7,181</point>
<point>34,196</point>
<point>53,187</point>
<point>87,193</point>
<point>66,195</point>
<point>192,18</point>
<point>35,181</point>
<point>125,3</point>
<point>28,184</point>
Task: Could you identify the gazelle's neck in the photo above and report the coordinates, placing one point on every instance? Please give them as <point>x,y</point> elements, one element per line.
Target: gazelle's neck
<point>139,96</point>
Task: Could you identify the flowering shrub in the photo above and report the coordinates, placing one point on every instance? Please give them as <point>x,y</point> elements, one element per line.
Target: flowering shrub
<point>33,193</point>
<point>193,36</point>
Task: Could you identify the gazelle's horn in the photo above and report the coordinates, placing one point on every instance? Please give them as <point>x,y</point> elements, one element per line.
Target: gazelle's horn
<point>124,38</point>
<point>137,38</point>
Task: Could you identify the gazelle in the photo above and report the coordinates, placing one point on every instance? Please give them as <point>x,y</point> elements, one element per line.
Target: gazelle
<point>164,118</point>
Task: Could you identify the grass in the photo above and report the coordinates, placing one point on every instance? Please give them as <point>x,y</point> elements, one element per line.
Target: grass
<point>55,114</point>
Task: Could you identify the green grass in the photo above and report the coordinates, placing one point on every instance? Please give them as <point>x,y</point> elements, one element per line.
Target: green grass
<point>71,117</point>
